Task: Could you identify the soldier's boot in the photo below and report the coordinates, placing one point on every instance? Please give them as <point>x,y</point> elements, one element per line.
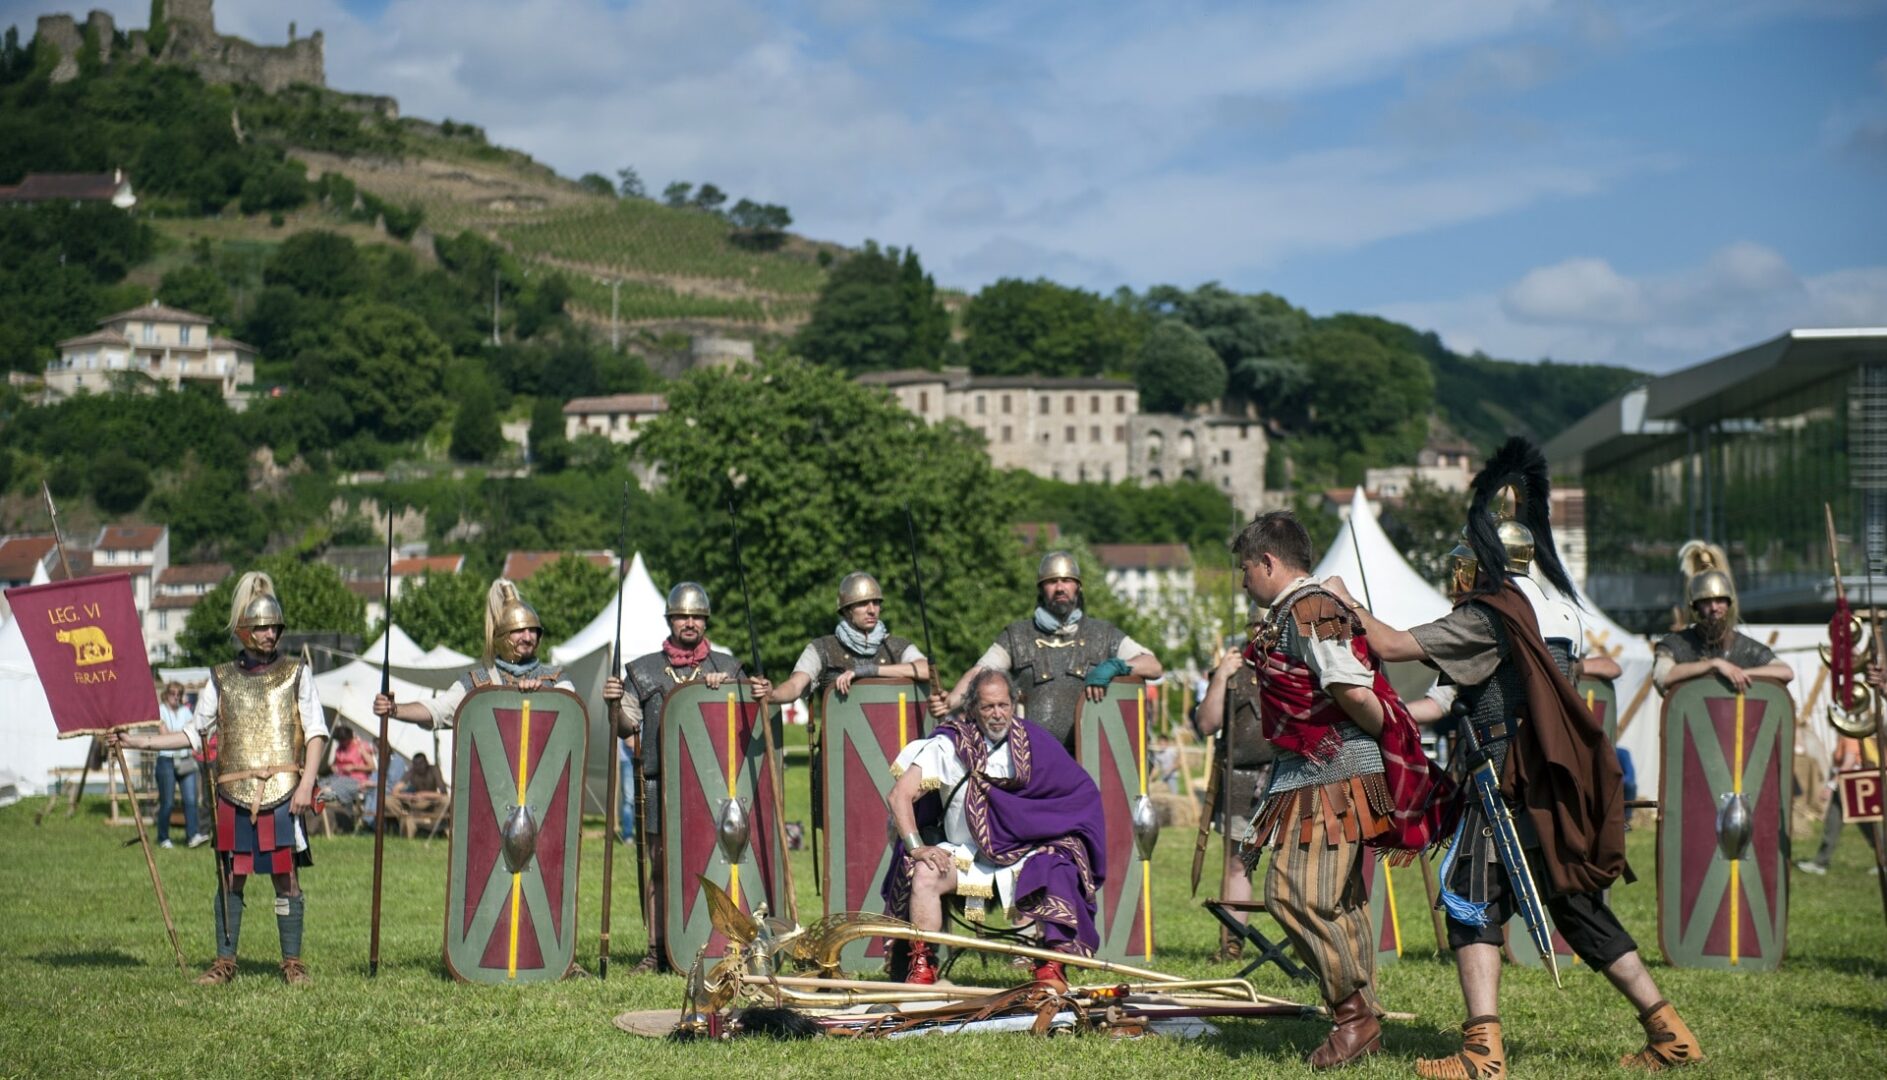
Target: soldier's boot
<point>1357,1035</point>
<point>295,973</point>
<point>1230,948</point>
<point>923,970</point>
<point>1050,972</point>
<point>1668,1041</point>
<point>221,970</point>
<point>1482,1054</point>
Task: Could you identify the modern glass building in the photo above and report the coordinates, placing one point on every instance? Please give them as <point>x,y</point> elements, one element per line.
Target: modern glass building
<point>1742,450</point>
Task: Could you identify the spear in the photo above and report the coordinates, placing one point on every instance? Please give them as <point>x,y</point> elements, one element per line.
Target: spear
<point>917,575</point>
<point>766,725</point>
<point>1880,742</point>
<point>380,767</point>
<point>612,808</point>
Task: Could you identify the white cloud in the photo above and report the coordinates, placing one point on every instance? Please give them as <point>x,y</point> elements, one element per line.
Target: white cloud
<point>1584,310</point>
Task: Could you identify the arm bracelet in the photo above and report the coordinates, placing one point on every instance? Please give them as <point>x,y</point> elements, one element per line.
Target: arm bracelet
<point>912,842</point>
<point>865,669</point>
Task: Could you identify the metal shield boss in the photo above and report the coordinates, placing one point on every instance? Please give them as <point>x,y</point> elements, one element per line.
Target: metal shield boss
<point>1146,826</point>
<point>519,833</point>
<point>732,829</point>
<point>1733,825</point>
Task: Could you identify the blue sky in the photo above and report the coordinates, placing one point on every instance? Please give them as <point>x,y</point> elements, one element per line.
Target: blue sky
<point>1648,183</point>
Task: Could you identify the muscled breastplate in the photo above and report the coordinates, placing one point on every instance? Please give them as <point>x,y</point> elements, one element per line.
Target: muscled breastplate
<point>835,659</point>
<point>258,733</point>
<point>651,677</point>
<point>1051,669</point>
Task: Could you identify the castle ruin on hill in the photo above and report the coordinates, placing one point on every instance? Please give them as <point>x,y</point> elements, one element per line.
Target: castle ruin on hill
<point>183,33</point>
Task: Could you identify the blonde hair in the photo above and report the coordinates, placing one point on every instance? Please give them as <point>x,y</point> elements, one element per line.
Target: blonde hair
<point>249,587</point>
<point>502,592</point>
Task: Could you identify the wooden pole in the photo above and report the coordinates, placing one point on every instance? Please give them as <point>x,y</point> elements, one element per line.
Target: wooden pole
<point>150,863</point>
<point>612,809</point>
<point>380,768</point>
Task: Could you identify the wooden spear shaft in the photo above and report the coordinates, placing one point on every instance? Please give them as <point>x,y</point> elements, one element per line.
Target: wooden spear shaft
<point>380,767</point>
<point>150,863</point>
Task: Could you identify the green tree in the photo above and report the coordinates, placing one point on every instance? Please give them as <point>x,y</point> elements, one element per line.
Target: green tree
<point>676,194</point>
<point>313,598</point>
<point>320,264</point>
<point>824,469</point>
<point>567,594</point>
<point>629,183</point>
<point>389,365</point>
<point>550,446</point>
<point>1017,327</point>
<point>197,288</point>
<point>1241,328</point>
<point>1425,526</point>
<point>1371,402</point>
<point>878,310</point>
<point>119,482</point>
<point>1177,369</point>
<point>596,184</point>
<point>476,433</point>
<point>709,198</point>
<point>444,609</point>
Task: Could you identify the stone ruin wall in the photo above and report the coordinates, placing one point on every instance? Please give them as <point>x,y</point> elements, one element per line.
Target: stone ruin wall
<point>193,43</point>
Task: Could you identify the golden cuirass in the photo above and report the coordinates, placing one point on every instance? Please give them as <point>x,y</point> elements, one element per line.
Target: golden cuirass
<point>258,724</point>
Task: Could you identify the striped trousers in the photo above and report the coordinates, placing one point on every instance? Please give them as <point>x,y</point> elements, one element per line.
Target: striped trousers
<point>1315,891</point>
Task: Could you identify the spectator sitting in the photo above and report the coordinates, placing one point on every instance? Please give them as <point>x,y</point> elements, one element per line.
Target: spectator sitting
<point>353,768</point>
<point>422,788</point>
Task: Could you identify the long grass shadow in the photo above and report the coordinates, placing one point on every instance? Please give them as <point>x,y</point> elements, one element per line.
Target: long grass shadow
<point>1871,967</point>
<point>89,958</point>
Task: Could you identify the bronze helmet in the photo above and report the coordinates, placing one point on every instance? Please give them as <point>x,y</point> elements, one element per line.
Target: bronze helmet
<point>688,598</point>
<point>857,588</point>
<point>505,613</point>
<point>253,606</point>
<point>1057,564</point>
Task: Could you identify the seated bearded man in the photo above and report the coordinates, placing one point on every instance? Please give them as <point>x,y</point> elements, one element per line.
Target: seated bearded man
<point>1021,822</point>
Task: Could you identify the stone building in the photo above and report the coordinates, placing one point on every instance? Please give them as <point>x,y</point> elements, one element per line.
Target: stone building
<point>1227,452</point>
<point>113,187</point>
<point>617,417</point>
<point>188,38</point>
<point>166,345</point>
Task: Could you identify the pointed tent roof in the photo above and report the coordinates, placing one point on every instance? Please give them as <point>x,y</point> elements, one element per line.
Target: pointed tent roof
<point>643,624</point>
<point>1396,593</point>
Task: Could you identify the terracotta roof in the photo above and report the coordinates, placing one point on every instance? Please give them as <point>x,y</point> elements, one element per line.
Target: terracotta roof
<point>1143,556</point>
<point>232,343</point>
<point>129,537</point>
<point>523,565</point>
<point>368,588</point>
<point>156,312</point>
<point>428,564</point>
<point>41,186</point>
<point>97,337</point>
<point>19,554</point>
<point>208,573</point>
<point>616,403</point>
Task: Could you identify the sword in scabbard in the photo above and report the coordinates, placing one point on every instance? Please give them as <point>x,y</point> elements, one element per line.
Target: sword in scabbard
<point>1204,839</point>
<point>1513,859</point>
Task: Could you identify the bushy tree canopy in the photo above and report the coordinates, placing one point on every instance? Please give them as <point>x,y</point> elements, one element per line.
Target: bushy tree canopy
<point>1177,369</point>
<point>1017,327</point>
<point>313,598</point>
<point>877,311</point>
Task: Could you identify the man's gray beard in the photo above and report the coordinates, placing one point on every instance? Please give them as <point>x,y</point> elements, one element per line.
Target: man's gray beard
<point>1060,608</point>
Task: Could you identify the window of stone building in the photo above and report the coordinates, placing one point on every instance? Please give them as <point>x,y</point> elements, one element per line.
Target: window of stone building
<point>1044,436</point>
<point>1120,432</point>
<point>183,335</point>
<point>1094,403</point>
<point>1120,403</point>
<point>1094,433</point>
<point>1244,431</point>
<point>1068,404</point>
<point>1005,403</point>
<point>1068,433</point>
<point>982,404</point>
<point>1008,433</point>
<point>1044,410</point>
<point>1226,457</point>
<point>923,401</point>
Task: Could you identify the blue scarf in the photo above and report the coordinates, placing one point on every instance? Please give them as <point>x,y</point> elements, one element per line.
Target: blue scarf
<point>1047,623</point>
<point>862,644</point>
<point>518,671</point>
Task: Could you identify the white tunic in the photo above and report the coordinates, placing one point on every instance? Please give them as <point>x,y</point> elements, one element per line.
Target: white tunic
<point>444,706</point>
<point>936,762</point>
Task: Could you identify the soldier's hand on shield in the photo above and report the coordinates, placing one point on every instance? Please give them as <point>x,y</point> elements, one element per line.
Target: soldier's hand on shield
<point>612,690</point>
<point>843,684</point>
<point>528,685</point>
<point>1739,679</point>
<point>715,679</point>
<point>382,705</point>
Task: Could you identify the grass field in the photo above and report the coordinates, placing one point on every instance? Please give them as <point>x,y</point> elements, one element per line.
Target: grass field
<point>91,989</point>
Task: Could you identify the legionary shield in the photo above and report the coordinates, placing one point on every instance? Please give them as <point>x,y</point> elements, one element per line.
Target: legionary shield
<point>863,732</point>
<point>1111,744</point>
<point>1723,825</point>
<point>1521,951</point>
<point>1380,882</point>
<point>1601,696</point>
<point>717,814</point>
<point>511,883</point>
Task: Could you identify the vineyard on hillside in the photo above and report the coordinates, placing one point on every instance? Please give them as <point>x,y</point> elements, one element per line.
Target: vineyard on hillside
<point>639,237</point>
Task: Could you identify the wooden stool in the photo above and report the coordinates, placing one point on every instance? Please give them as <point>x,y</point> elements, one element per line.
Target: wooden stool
<point>1268,951</point>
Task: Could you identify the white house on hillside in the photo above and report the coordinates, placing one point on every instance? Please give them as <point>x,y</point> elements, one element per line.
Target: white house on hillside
<point>164,344</point>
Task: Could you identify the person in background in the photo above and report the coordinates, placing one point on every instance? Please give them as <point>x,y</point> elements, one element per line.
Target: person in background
<point>175,769</point>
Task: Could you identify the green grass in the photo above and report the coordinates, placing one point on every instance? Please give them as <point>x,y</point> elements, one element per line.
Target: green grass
<point>639,235</point>
<point>91,987</point>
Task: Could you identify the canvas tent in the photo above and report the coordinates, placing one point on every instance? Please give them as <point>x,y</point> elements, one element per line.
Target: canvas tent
<point>33,746</point>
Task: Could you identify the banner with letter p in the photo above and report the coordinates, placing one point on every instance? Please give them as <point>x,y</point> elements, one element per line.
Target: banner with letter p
<point>87,644</point>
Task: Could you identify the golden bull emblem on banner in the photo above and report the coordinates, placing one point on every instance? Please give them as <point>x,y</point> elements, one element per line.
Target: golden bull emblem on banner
<point>89,645</point>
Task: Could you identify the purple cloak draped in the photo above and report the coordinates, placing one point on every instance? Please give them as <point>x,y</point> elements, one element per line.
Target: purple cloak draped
<point>1049,811</point>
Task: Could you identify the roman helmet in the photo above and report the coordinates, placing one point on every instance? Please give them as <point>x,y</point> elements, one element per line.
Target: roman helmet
<point>1706,572</point>
<point>688,598</point>
<point>506,611</point>
<point>1509,522</point>
<point>1057,564</point>
<point>857,588</point>
<point>254,606</point>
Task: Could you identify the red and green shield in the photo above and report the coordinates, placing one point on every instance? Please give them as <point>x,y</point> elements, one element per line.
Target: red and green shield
<point>1111,744</point>
<point>1521,950</point>
<point>511,883</point>
<point>863,732</point>
<point>1724,782</point>
<point>717,814</point>
<point>1601,696</point>
<point>1381,882</point>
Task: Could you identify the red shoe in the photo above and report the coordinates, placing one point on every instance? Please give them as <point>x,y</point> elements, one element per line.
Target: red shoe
<point>1050,972</point>
<point>923,971</point>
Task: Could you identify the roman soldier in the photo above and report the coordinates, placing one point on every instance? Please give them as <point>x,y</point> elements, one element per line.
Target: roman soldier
<point>513,633</point>
<point>860,646</point>
<point>1509,650</point>
<point>1712,642</point>
<point>635,699</point>
<point>1241,763</point>
<point>270,735</point>
<point>1058,654</point>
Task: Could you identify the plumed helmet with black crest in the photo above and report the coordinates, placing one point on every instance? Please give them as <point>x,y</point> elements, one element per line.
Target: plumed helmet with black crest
<point>1509,522</point>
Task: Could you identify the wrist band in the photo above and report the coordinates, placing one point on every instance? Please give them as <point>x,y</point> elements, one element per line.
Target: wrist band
<point>912,842</point>
<point>865,669</point>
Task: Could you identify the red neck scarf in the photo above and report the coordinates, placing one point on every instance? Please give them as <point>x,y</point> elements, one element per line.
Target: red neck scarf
<point>683,656</point>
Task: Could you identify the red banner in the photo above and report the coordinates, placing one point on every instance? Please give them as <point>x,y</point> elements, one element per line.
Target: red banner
<point>1860,795</point>
<point>87,644</point>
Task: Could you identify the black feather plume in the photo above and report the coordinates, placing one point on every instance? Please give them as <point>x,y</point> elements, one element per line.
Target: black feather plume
<point>1521,465</point>
<point>777,1021</point>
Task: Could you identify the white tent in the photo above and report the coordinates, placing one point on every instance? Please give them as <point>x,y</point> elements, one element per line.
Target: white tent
<point>1385,581</point>
<point>347,694</point>
<point>33,746</point>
